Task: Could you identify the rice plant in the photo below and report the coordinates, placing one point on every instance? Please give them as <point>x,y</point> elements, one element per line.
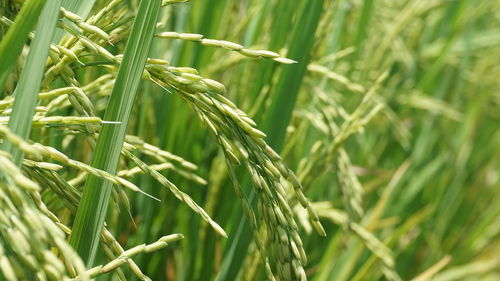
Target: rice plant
<point>249,140</point>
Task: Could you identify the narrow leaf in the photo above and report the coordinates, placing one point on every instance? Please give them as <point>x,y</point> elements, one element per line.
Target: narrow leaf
<point>13,42</point>
<point>26,93</point>
<point>93,205</point>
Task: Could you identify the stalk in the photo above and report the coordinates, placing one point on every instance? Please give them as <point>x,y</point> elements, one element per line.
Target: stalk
<point>93,205</point>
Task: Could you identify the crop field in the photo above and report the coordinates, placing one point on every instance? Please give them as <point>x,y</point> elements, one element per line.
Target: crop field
<point>250,140</point>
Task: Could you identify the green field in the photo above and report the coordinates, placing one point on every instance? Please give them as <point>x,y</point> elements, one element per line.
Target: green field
<point>287,140</point>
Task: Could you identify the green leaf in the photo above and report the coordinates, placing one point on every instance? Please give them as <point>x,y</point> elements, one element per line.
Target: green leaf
<point>285,94</point>
<point>13,42</point>
<point>93,205</point>
<point>26,93</point>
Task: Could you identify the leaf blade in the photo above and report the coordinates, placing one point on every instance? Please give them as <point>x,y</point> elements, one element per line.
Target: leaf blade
<point>93,206</point>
